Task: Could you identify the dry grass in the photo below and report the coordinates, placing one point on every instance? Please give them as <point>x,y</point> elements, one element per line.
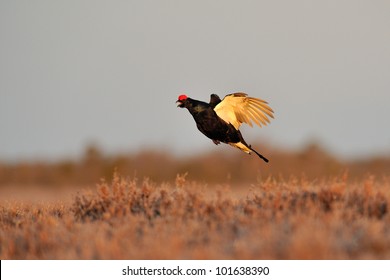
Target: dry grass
<point>275,218</point>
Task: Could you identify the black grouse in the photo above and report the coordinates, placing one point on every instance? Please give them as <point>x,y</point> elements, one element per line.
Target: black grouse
<point>220,120</point>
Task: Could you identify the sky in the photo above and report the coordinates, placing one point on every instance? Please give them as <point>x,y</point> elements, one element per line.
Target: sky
<point>75,73</point>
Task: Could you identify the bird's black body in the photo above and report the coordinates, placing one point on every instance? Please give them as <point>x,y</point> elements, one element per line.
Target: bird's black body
<point>211,125</point>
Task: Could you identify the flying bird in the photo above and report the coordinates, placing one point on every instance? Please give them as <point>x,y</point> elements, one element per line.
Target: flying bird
<point>220,120</point>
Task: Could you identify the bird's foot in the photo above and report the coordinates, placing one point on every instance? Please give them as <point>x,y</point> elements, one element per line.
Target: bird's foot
<point>216,142</point>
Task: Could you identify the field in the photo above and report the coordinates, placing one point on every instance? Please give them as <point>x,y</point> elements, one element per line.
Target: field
<point>339,215</point>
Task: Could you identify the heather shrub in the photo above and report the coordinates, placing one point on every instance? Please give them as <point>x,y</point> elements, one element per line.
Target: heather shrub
<point>274,218</point>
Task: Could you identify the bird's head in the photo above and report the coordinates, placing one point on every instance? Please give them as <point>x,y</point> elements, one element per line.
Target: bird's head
<point>181,100</point>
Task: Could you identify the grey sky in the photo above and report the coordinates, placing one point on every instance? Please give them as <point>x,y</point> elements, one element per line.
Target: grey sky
<point>109,72</point>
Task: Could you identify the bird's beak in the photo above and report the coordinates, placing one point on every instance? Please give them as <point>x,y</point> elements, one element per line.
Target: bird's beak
<point>179,104</point>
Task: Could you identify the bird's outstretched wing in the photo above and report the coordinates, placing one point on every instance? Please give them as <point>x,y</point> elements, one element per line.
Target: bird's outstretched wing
<point>238,108</point>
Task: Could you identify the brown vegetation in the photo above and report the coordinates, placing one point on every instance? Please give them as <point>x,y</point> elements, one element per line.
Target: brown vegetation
<point>304,205</point>
<point>222,166</point>
<point>271,219</point>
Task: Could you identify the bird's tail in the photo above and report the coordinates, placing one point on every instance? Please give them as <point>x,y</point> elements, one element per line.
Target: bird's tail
<point>248,149</point>
<point>260,155</point>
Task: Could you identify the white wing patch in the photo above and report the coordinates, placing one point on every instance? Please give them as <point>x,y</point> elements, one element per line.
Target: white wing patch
<point>238,108</point>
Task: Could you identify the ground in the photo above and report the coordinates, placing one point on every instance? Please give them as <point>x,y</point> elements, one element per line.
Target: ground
<point>273,218</point>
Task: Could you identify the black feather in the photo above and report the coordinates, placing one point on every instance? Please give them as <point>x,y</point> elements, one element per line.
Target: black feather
<point>211,125</point>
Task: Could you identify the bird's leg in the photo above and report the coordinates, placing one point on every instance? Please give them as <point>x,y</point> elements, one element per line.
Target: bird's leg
<point>216,142</point>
